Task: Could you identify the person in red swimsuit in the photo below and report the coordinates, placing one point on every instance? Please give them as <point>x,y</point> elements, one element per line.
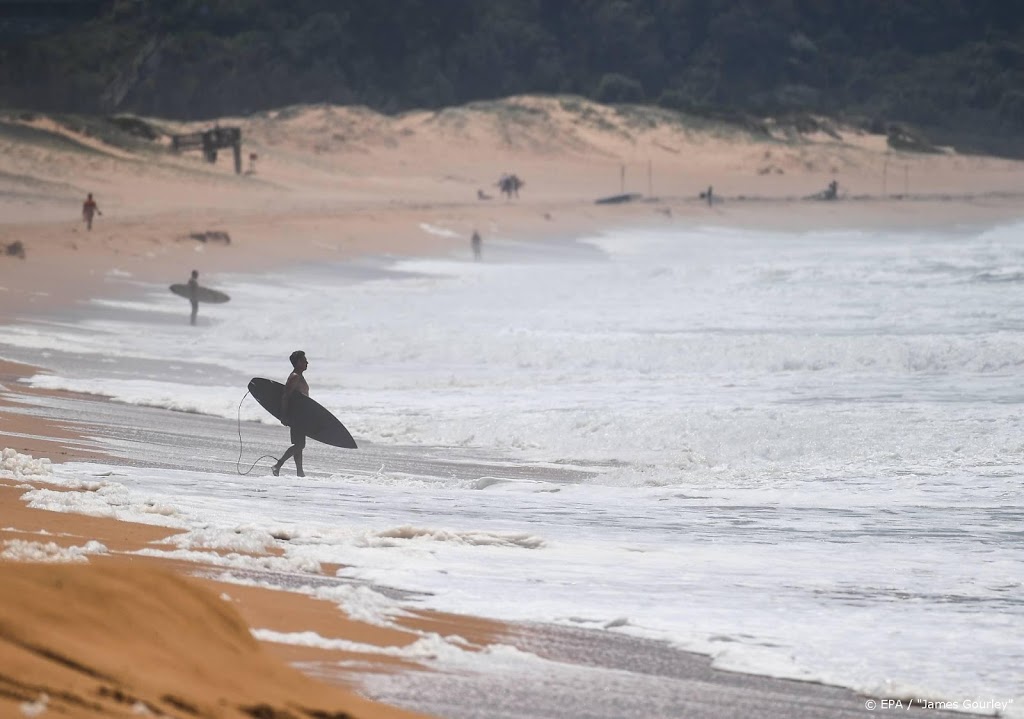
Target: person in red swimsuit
<point>89,208</point>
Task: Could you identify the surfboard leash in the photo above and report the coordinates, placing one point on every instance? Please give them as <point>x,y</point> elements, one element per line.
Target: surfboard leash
<point>238,462</point>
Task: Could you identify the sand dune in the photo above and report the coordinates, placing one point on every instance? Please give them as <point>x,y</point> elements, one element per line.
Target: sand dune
<point>104,641</point>
<point>568,149</point>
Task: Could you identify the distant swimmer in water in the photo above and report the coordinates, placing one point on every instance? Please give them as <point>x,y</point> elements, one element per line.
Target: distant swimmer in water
<point>477,243</point>
<point>296,383</point>
<point>89,208</point>
<point>193,292</point>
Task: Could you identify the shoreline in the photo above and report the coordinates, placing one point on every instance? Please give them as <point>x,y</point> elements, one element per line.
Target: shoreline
<point>63,267</point>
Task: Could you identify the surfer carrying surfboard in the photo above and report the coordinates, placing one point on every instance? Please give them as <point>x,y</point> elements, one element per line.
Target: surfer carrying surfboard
<point>196,293</point>
<point>296,383</point>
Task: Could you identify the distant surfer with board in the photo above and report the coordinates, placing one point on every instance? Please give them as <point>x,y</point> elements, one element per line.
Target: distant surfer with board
<point>196,293</point>
<point>296,383</point>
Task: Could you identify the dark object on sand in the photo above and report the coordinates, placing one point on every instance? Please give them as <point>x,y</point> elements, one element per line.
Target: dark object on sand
<point>306,415</point>
<point>15,249</point>
<point>203,294</point>
<point>211,236</point>
<point>618,199</point>
<point>829,193</point>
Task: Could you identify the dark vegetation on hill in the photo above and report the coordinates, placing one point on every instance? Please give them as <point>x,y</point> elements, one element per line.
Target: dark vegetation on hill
<point>954,68</point>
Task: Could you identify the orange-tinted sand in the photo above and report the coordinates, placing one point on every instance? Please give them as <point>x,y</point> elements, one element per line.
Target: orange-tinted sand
<point>108,638</point>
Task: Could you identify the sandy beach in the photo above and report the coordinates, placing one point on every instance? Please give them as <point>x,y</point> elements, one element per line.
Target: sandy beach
<point>329,184</point>
<point>332,182</point>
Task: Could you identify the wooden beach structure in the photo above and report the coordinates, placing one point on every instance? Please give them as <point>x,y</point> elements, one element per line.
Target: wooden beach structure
<point>209,141</point>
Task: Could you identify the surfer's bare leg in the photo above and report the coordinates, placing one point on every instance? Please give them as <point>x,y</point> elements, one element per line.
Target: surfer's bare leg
<point>298,444</point>
<point>293,452</point>
<point>195,310</point>
<point>284,458</point>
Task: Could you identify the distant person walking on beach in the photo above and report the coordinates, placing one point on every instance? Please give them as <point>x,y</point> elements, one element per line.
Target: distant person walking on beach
<point>89,208</point>
<point>477,243</point>
<point>296,383</point>
<point>193,293</point>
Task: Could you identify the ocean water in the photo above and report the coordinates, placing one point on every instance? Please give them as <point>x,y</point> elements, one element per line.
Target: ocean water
<point>798,453</point>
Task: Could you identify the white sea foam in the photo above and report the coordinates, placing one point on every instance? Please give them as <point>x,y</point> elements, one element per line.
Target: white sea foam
<point>439,231</point>
<point>19,550</point>
<point>37,707</point>
<point>234,560</point>
<point>430,647</point>
<point>396,535</point>
<point>19,465</point>
<point>359,602</point>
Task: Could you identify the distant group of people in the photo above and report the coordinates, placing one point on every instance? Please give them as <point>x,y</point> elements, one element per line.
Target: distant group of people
<point>509,185</point>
